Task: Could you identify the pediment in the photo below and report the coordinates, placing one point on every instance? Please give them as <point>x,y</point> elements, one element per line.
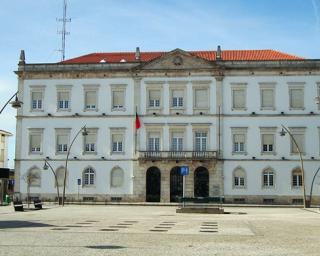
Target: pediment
<point>177,60</point>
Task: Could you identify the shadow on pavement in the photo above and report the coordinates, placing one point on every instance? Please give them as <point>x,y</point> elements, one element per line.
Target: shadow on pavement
<point>22,224</point>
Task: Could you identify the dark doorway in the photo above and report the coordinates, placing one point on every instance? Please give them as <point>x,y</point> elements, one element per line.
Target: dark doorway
<point>176,184</point>
<point>201,182</point>
<point>153,184</point>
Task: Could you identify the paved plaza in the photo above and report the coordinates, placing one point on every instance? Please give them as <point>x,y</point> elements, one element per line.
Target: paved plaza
<point>158,230</point>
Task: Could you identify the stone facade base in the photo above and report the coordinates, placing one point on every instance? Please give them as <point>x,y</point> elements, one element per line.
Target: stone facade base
<point>205,210</point>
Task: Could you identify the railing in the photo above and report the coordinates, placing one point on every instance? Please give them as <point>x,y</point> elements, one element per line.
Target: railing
<point>177,155</point>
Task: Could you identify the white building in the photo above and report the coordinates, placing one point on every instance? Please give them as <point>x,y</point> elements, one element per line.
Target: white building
<point>218,112</point>
<point>4,136</point>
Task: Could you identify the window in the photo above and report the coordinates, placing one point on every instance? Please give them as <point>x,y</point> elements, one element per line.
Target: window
<point>90,141</point>
<point>154,141</point>
<point>239,143</point>
<point>239,178</point>
<point>36,103</point>
<point>200,141</point>
<point>35,141</point>
<point>117,142</point>
<point>296,96</point>
<point>33,177</point>
<point>201,97</point>
<point>268,178</point>
<point>177,98</point>
<point>90,100</point>
<point>88,177</point>
<point>117,177</point>
<point>118,99</point>
<point>267,143</point>
<point>239,97</point>
<point>177,141</point>
<point>267,98</point>
<point>296,178</point>
<point>154,98</point>
<point>63,100</point>
<point>299,136</point>
<point>62,140</point>
<point>60,176</point>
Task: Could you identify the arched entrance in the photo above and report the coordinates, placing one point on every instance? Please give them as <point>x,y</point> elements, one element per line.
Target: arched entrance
<point>176,184</point>
<point>201,182</point>
<point>153,184</point>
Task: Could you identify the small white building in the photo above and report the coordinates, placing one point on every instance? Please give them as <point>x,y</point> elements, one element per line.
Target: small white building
<point>217,112</point>
<point>4,136</point>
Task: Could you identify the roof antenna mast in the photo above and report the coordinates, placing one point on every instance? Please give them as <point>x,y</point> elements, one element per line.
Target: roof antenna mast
<point>63,31</point>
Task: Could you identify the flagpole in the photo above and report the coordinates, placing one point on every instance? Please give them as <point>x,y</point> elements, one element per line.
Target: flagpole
<point>136,133</point>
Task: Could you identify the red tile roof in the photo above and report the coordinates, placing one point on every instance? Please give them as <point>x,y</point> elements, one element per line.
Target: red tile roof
<point>116,57</point>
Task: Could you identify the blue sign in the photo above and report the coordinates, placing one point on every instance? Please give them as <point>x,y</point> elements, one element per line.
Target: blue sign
<point>184,170</point>
<point>79,182</point>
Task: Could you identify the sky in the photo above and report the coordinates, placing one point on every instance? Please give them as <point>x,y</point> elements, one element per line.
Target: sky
<point>291,26</point>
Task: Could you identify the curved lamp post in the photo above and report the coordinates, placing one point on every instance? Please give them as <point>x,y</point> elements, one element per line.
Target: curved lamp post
<point>283,132</point>
<point>311,189</point>
<point>46,167</point>
<point>84,133</point>
<point>15,104</point>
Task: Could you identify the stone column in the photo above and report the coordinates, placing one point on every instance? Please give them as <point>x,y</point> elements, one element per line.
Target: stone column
<point>190,181</point>
<point>165,184</point>
<point>166,138</point>
<point>166,99</point>
<point>189,101</point>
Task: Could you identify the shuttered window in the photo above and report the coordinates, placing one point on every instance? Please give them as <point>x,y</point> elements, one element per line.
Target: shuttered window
<point>268,178</point>
<point>296,98</point>
<point>35,143</point>
<point>90,142</point>
<point>239,142</point>
<point>267,98</point>
<point>36,100</point>
<point>117,142</point>
<point>62,142</point>
<point>154,98</point>
<point>63,100</point>
<point>177,98</point>
<point>201,98</point>
<point>267,142</point>
<point>239,98</point>
<point>177,141</point>
<point>239,178</point>
<point>90,99</point>
<point>118,99</point>
<point>154,142</point>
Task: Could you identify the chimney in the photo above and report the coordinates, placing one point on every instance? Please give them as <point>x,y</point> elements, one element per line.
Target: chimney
<point>137,55</point>
<point>219,56</point>
<point>22,59</point>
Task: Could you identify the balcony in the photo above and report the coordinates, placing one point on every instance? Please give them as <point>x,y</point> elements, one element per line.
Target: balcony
<point>177,155</point>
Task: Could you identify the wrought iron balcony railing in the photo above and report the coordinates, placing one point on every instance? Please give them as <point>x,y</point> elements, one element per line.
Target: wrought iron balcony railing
<point>177,155</point>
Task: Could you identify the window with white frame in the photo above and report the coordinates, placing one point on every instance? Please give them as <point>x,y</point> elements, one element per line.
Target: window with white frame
<point>62,140</point>
<point>239,97</point>
<point>118,98</point>
<point>177,100</point>
<point>90,141</point>
<point>299,137</point>
<point>239,137</point>
<point>63,100</point>
<point>267,143</point>
<point>117,142</point>
<point>154,141</point>
<point>267,97</point>
<point>201,140</point>
<point>90,98</point>
<point>36,100</point>
<point>201,98</point>
<point>35,141</point>
<point>33,177</point>
<point>154,98</point>
<point>296,178</point>
<point>177,141</point>
<point>296,97</point>
<point>268,178</point>
<point>60,176</point>
<point>117,177</point>
<point>88,177</point>
<point>239,178</point>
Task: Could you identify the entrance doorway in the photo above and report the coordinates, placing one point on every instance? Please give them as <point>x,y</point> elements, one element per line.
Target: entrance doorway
<point>176,184</point>
<point>201,182</point>
<point>153,184</point>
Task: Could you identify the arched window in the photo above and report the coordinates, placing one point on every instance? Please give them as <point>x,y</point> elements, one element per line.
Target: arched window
<point>88,177</point>
<point>33,177</point>
<point>296,177</point>
<point>268,178</point>
<point>239,178</point>
<point>117,177</point>
<point>60,176</point>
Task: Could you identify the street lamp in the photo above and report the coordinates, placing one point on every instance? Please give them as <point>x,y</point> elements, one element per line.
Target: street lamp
<point>311,189</point>
<point>15,104</point>
<point>84,133</point>
<point>46,166</point>
<point>283,132</point>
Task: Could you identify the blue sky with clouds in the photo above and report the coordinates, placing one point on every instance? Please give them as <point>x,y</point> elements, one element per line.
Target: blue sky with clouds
<point>291,26</point>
